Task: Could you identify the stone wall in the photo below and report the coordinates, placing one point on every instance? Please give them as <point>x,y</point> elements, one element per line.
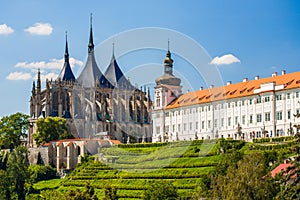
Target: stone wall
<point>34,155</point>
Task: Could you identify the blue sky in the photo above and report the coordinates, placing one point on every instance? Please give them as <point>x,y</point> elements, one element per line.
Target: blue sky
<point>261,37</point>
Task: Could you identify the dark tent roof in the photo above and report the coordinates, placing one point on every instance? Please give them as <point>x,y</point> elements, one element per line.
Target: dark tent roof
<point>66,73</point>
<point>114,74</point>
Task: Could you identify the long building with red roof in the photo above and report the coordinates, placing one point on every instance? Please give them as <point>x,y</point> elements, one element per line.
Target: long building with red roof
<point>262,107</point>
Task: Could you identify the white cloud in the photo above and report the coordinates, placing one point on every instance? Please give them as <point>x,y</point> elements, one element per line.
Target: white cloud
<point>48,76</point>
<point>224,60</point>
<point>16,76</point>
<point>52,64</point>
<point>40,29</point>
<point>5,30</point>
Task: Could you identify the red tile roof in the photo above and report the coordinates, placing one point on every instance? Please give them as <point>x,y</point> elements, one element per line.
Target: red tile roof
<point>280,168</point>
<point>236,90</point>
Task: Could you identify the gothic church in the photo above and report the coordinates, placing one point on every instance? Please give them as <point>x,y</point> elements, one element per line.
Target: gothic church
<point>95,105</point>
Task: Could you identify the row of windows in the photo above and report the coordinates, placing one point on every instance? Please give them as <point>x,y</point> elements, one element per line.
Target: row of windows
<point>259,118</point>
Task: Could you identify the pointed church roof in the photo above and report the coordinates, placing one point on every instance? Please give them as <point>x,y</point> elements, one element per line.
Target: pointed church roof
<point>115,75</point>
<point>66,73</point>
<point>91,72</point>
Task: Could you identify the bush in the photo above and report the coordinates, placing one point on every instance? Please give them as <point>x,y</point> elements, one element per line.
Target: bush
<point>40,173</point>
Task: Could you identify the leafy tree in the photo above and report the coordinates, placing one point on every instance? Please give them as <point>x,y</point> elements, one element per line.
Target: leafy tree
<point>5,185</point>
<point>17,169</point>
<point>40,172</point>
<point>247,181</point>
<point>51,128</point>
<point>12,129</point>
<point>160,190</point>
<point>290,182</point>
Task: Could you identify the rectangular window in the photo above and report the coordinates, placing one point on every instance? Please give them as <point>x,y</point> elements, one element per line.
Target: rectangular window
<point>167,129</point>
<point>289,114</point>
<point>288,95</point>
<point>278,97</point>
<point>222,106</point>
<point>184,127</point>
<point>267,99</point>
<point>208,124</point>
<point>222,122</point>
<point>243,102</point>
<point>157,129</point>
<point>243,119</point>
<point>167,114</point>
<point>173,128</point>
<point>197,125</point>
<point>216,123</point>
<point>229,121</point>
<point>267,117</point>
<point>258,117</point>
<point>191,126</point>
<point>297,94</point>
<point>279,115</point>
<point>179,127</point>
<point>236,104</point>
<point>228,105</point>
<point>258,100</point>
<point>236,120</point>
<point>250,101</point>
<point>251,119</point>
<point>203,124</point>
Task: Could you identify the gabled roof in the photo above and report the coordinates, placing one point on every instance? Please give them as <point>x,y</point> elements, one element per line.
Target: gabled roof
<point>238,90</point>
<point>66,73</point>
<point>115,76</point>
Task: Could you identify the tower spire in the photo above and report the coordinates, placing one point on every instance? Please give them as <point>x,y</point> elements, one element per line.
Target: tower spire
<point>168,53</point>
<point>67,50</point>
<point>91,43</point>
<point>39,80</point>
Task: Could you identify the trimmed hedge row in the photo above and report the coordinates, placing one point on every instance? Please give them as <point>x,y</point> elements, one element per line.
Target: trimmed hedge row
<point>276,139</point>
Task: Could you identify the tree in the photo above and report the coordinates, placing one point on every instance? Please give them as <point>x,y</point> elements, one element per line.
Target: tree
<point>247,181</point>
<point>51,128</point>
<point>12,129</point>
<point>160,190</point>
<point>290,182</point>
<point>17,169</point>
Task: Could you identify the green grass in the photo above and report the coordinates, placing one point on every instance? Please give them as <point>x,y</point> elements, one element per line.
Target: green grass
<point>184,164</point>
<point>49,184</point>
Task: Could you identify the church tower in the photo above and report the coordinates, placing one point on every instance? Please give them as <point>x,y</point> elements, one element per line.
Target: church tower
<point>167,86</point>
<point>167,89</point>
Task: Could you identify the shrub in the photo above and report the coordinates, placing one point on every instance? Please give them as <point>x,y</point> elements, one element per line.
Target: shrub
<point>40,172</point>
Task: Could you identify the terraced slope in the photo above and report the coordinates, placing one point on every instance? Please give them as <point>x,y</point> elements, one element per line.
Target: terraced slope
<point>134,167</point>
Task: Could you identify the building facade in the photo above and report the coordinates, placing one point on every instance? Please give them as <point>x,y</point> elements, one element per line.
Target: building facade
<point>94,104</point>
<point>263,107</point>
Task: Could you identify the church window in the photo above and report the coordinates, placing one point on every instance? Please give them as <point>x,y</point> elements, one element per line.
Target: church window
<point>191,126</point>
<point>250,101</point>
<point>158,101</point>
<point>197,125</point>
<point>258,100</point>
<point>278,97</point>
<point>202,124</point>
<point>288,95</point>
<point>258,117</point>
<point>216,123</point>
<point>158,129</point>
<point>236,120</point>
<point>267,99</point>
<point>229,121</point>
<point>184,127</point>
<point>179,127</point>
<point>267,117</point>
<point>297,94</point>
<point>222,122</point>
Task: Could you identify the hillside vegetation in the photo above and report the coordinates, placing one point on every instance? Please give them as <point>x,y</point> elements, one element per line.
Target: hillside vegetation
<point>130,169</point>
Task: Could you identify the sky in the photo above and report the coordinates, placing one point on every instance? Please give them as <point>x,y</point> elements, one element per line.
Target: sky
<point>237,39</point>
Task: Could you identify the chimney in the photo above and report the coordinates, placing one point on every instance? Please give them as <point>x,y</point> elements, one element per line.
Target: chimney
<point>201,88</point>
<point>256,77</point>
<point>274,74</point>
<point>228,83</point>
<point>283,72</point>
<point>245,80</point>
<point>211,86</point>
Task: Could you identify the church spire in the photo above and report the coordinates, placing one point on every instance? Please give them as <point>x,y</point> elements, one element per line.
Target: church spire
<point>91,43</point>
<point>168,62</point>
<point>39,80</point>
<point>67,50</point>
